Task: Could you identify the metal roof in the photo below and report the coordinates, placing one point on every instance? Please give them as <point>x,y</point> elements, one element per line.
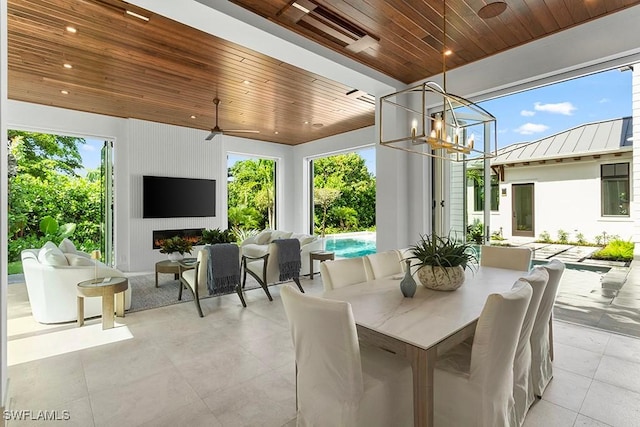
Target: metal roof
<point>596,138</point>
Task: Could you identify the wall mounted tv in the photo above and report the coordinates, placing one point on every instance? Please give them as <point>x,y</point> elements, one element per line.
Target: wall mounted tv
<point>166,197</point>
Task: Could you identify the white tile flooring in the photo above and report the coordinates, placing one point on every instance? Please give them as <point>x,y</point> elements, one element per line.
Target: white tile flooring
<point>234,367</point>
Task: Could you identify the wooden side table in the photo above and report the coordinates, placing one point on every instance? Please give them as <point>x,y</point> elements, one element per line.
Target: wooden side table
<point>166,266</point>
<point>105,288</point>
<point>320,256</point>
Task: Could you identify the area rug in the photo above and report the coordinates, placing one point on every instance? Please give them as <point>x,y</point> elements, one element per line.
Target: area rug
<point>145,295</point>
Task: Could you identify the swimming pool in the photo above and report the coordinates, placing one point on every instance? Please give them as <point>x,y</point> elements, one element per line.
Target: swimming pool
<point>351,247</point>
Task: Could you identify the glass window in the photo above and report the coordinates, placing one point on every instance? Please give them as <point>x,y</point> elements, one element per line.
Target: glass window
<point>478,194</point>
<point>615,189</point>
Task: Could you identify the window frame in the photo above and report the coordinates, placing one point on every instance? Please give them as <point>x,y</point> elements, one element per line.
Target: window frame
<point>615,177</point>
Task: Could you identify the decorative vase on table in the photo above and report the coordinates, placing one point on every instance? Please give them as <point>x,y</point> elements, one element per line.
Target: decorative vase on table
<point>441,278</point>
<point>175,256</point>
<point>408,285</point>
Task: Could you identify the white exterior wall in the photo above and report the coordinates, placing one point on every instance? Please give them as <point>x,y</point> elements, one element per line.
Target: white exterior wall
<point>566,197</point>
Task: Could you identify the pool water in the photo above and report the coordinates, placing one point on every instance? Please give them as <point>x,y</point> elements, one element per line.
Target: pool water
<point>350,247</point>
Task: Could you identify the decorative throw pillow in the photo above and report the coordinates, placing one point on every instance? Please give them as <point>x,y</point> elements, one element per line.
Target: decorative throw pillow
<point>306,240</point>
<point>77,260</point>
<point>263,237</point>
<point>277,234</point>
<point>50,254</point>
<point>67,246</point>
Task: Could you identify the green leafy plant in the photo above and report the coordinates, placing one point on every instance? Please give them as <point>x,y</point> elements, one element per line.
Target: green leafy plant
<point>580,239</point>
<point>437,251</point>
<point>176,244</point>
<point>563,237</point>
<point>216,235</point>
<point>544,237</point>
<point>616,250</point>
<point>475,232</point>
<point>243,234</point>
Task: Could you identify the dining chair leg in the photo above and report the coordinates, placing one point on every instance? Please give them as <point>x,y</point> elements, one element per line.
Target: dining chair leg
<point>180,285</point>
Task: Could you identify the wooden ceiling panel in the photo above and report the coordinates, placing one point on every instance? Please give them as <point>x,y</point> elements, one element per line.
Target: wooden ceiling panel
<point>166,72</point>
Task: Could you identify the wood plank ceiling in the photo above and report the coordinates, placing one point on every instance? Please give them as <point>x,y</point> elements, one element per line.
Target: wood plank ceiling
<point>162,71</point>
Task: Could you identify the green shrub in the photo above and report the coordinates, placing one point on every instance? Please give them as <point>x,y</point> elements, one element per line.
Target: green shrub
<point>544,237</point>
<point>580,239</point>
<point>475,232</point>
<point>563,237</point>
<point>216,235</point>
<point>616,250</point>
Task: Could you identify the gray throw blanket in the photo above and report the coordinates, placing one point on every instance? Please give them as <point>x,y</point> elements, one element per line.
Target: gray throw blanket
<point>289,261</point>
<point>224,268</point>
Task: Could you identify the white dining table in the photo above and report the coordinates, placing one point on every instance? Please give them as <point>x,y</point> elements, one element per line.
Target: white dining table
<point>419,328</point>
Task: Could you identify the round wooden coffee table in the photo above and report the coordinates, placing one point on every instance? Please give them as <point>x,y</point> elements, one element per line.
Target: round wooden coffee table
<point>320,256</point>
<point>105,288</point>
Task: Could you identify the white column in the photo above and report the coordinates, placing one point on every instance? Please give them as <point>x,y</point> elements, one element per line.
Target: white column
<point>635,174</point>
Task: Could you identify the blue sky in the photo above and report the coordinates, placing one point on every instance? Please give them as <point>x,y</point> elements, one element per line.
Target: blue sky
<point>538,113</point>
<point>522,117</point>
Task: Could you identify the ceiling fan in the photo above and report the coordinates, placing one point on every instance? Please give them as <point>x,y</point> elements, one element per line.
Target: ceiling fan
<point>216,129</point>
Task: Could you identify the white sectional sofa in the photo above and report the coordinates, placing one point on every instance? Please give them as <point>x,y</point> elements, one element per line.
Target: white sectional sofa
<point>52,275</point>
<point>257,246</point>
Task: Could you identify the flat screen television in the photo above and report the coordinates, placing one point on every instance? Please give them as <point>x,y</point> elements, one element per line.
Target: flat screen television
<point>167,197</point>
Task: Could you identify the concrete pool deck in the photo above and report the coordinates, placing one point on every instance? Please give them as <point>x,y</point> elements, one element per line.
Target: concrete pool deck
<point>600,294</point>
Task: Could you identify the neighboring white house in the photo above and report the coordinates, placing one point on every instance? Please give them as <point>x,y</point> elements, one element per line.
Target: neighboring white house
<point>577,181</point>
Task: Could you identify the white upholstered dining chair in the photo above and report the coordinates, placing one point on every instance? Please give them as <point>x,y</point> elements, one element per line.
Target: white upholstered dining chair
<point>523,394</point>
<point>343,272</point>
<point>473,381</point>
<point>339,383</point>
<point>513,258</point>
<point>384,264</point>
<point>541,339</point>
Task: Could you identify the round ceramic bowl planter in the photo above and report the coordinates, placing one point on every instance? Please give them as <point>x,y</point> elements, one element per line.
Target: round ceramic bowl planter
<point>175,256</point>
<point>441,278</point>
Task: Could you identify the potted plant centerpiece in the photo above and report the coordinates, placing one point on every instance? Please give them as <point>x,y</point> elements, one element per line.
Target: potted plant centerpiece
<point>214,236</point>
<point>175,247</point>
<point>442,261</point>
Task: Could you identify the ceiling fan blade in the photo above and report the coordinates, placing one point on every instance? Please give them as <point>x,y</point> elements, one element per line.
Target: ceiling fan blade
<point>210,136</point>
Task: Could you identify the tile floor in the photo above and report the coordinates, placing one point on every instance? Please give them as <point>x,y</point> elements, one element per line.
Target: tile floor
<point>235,367</point>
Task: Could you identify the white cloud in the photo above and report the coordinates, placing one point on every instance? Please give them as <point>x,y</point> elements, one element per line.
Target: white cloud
<point>531,128</point>
<point>527,113</point>
<point>604,101</point>
<point>87,147</point>
<point>564,108</point>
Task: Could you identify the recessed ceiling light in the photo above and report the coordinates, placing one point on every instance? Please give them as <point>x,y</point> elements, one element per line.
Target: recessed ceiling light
<point>492,10</point>
<point>276,132</point>
<point>300,7</point>
<point>67,66</point>
<point>193,117</point>
<point>71,29</point>
<point>447,52</point>
<point>246,82</point>
<point>64,92</point>
<point>137,15</point>
<point>306,122</point>
<point>318,125</point>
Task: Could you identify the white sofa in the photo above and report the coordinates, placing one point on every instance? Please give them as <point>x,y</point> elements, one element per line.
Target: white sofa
<point>51,277</point>
<point>258,245</point>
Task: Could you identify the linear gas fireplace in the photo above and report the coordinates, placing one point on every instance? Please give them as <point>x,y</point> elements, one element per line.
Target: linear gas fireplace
<point>193,234</point>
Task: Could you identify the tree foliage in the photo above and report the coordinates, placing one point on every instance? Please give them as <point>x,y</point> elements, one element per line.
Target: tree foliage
<point>251,194</point>
<point>348,174</point>
<point>47,185</point>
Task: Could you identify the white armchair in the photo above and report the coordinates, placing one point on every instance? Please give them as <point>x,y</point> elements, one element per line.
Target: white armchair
<point>258,245</point>
<point>51,284</point>
<point>265,269</point>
